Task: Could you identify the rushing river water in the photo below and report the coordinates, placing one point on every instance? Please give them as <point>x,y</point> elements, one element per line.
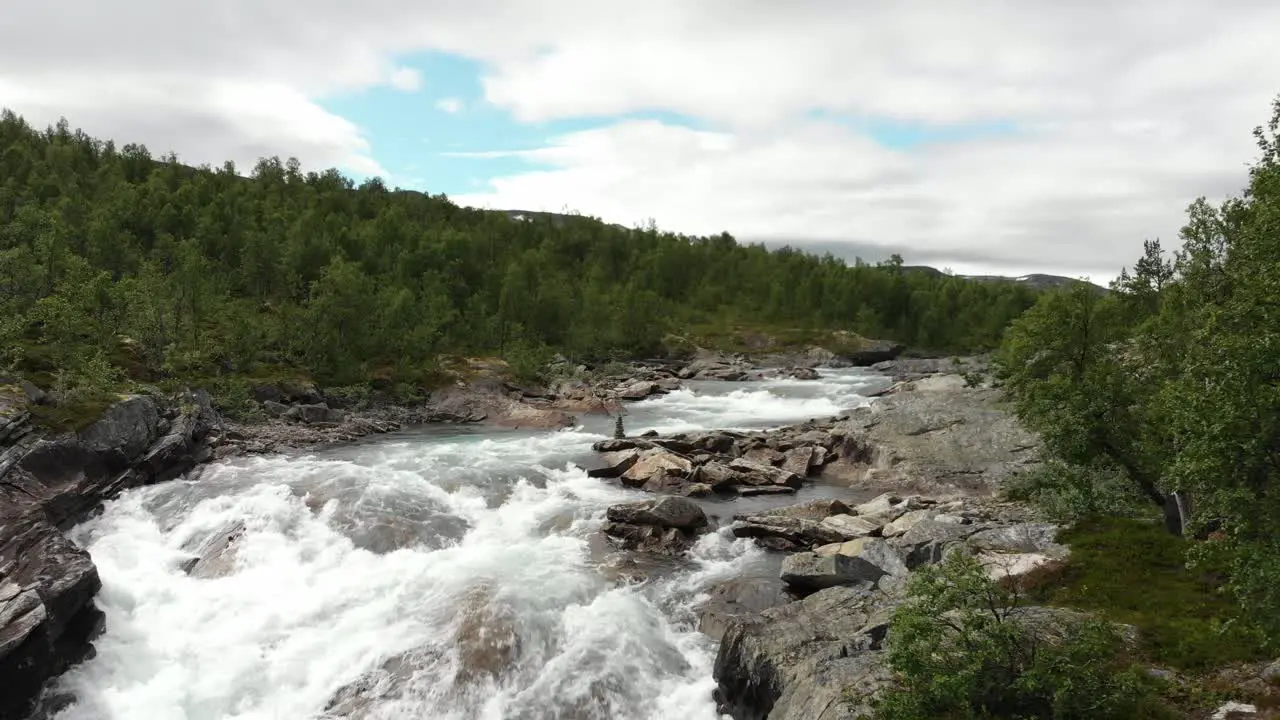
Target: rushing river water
<point>450,573</point>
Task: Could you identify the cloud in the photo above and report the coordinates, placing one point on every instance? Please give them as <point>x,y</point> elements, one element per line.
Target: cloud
<point>406,79</point>
<point>1120,114</point>
<point>451,105</point>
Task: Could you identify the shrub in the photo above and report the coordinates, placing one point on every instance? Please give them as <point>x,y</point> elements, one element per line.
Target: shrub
<point>963,648</point>
<point>1067,493</point>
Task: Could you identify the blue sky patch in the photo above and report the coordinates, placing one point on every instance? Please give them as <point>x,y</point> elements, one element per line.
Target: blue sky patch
<point>417,135</point>
<point>414,136</point>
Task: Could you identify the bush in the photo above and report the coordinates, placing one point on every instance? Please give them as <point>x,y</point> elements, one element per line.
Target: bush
<point>961,649</point>
<point>1067,493</point>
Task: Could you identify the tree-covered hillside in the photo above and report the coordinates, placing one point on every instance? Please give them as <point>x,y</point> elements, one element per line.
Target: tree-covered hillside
<point>115,263</point>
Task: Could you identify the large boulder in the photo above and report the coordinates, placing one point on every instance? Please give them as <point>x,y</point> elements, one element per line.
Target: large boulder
<point>667,525</point>
<point>815,659</point>
<point>863,561</point>
<point>654,466</point>
<point>670,512</point>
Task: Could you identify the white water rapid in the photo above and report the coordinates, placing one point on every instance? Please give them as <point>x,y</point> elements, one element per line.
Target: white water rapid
<point>449,573</point>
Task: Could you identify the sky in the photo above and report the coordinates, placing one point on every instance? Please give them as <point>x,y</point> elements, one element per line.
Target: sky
<point>991,136</point>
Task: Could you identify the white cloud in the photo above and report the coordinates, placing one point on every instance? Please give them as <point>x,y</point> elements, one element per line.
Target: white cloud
<point>1126,111</point>
<point>405,79</point>
<point>451,105</point>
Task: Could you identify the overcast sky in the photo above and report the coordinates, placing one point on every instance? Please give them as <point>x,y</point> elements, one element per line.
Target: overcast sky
<point>987,136</point>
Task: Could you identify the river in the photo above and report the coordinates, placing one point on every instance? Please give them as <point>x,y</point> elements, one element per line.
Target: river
<point>454,573</point>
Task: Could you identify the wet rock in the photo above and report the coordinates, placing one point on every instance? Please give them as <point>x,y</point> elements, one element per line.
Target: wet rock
<point>816,659</point>
<point>750,491</point>
<point>615,464</point>
<point>653,466</point>
<point>215,556</point>
<point>667,525</point>
<point>638,390</point>
<point>619,444</point>
<point>670,512</point>
<point>739,597</point>
<point>486,637</point>
<point>802,373</point>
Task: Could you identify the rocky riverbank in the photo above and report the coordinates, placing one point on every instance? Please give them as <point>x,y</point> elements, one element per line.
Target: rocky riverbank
<point>809,644</point>
<point>48,483</point>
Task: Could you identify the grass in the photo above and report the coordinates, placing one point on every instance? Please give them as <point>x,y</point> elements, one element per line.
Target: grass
<point>71,416</point>
<point>1132,571</point>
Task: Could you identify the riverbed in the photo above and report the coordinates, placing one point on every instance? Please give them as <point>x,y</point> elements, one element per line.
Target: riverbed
<point>442,572</point>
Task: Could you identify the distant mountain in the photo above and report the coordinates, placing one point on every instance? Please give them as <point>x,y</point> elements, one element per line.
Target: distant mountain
<point>1037,281</point>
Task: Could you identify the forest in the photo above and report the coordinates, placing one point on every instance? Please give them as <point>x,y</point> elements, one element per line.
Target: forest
<point>116,265</point>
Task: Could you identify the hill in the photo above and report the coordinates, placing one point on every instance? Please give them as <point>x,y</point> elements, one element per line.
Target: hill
<point>117,266</point>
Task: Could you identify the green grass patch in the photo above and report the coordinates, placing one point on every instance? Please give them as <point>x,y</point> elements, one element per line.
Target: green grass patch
<point>1133,571</point>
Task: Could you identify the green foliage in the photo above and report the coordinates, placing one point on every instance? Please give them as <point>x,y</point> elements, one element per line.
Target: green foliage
<point>1174,379</point>
<point>1132,571</point>
<point>1067,493</point>
<point>208,273</point>
<point>963,648</point>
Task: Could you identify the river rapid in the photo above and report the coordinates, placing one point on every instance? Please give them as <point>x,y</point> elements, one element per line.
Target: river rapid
<point>450,573</point>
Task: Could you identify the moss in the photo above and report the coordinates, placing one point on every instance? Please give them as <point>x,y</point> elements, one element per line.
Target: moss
<point>1133,571</point>
<point>71,416</point>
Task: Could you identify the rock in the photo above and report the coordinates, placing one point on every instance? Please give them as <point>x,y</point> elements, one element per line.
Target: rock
<point>667,525</point>
<point>672,512</point>
<point>816,510</point>
<point>802,373</point>
<point>638,390</point>
<point>736,598</point>
<point>274,409</point>
<point>816,659</point>
<point>716,475</point>
<point>1020,538</point>
<point>928,541</point>
<point>314,414</point>
<point>938,435</point>
<point>852,526</point>
<point>619,444</point>
<point>861,561</point>
<point>653,466</point>
<point>1234,711</point>
<point>874,351</point>
<point>47,584</point>
<point>751,491</point>
<point>799,461</point>
<point>756,474</point>
<point>215,557</point>
<point>889,506</point>
<point>763,456</point>
<point>615,464</point>
<point>127,427</point>
<point>1010,566</point>
<point>905,522</point>
<point>797,533</point>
